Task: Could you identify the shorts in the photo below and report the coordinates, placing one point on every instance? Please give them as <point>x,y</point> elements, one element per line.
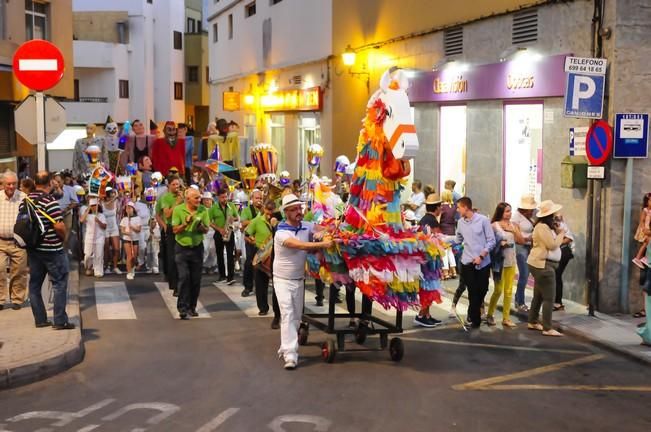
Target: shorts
<point>112,232</point>
<point>132,242</point>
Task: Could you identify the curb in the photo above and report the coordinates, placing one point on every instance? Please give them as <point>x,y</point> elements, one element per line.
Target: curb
<point>66,356</point>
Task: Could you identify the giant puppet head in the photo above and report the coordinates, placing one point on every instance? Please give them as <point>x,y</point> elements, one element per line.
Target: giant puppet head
<point>170,131</point>
<point>138,128</point>
<point>112,140</point>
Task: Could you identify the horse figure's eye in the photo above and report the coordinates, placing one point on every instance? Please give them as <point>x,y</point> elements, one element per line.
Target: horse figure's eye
<point>390,112</point>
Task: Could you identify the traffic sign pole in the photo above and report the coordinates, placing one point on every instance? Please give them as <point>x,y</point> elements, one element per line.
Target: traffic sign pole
<point>41,152</point>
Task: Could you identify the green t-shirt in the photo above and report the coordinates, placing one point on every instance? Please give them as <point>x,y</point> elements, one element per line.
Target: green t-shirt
<point>190,236</point>
<point>167,200</point>
<point>247,213</point>
<point>259,229</point>
<point>218,215</point>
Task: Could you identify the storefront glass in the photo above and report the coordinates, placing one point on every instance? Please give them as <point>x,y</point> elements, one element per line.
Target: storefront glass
<point>452,165</point>
<point>277,125</point>
<point>522,151</point>
<point>250,130</point>
<point>309,132</point>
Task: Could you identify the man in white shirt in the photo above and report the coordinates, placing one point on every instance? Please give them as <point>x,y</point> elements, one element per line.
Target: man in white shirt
<point>416,201</point>
<point>292,241</point>
<point>11,256</point>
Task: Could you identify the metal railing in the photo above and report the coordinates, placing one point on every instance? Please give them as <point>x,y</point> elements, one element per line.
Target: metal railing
<point>87,100</point>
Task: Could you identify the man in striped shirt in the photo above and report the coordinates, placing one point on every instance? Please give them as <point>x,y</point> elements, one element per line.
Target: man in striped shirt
<point>10,199</point>
<point>48,258</point>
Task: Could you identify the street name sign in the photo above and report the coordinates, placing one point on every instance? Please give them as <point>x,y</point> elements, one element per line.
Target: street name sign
<point>599,142</point>
<point>38,64</point>
<point>631,135</point>
<point>586,80</point>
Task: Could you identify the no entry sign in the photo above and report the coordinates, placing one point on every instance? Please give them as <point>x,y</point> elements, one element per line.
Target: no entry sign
<point>38,64</point>
<point>599,142</point>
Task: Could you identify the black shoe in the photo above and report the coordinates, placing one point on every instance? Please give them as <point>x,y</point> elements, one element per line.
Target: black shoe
<point>275,323</point>
<point>319,302</point>
<point>434,321</point>
<point>352,323</point>
<point>194,313</point>
<point>337,300</point>
<point>44,324</point>
<point>175,293</point>
<point>66,326</point>
<point>263,313</point>
<point>230,282</point>
<point>246,293</point>
<point>183,315</point>
<point>16,306</point>
<point>2,307</point>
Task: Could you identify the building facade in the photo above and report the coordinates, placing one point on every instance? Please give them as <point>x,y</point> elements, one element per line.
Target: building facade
<point>197,72</point>
<point>21,21</point>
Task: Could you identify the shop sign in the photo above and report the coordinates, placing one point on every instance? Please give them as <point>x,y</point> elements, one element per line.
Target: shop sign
<point>506,80</point>
<point>231,101</point>
<point>293,100</point>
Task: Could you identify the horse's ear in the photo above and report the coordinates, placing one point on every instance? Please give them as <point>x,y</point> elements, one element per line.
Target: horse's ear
<point>385,81</point>
<point>394,79</point>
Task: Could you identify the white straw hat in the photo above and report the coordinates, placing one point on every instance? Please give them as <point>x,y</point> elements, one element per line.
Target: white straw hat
<point>290,200</point>
<point>547,208</point>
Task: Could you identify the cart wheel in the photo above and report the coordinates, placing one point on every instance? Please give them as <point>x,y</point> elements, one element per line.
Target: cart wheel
<point>303,333</point>
<point>396,349</point>
<point>328,351</point>
<point>361,333</point>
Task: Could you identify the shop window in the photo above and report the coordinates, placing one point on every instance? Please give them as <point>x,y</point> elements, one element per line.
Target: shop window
<point>37,20</point>
<point>250,131</point>
<point>230,26</point>
<point>277,126</point>
<point>452,156</point>
<point>523,151</point>
<point>309,132</point>
<point>249,10</point>
<point>178,40</point>
<point>124,89</point>
<point>193,74</point>
<point>178,91</point>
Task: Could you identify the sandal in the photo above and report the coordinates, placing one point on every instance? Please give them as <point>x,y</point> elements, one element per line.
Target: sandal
<point>509,323</point>
<point>536,326</point>
<point>640,314</point>
<point>559,307</point>
<point>552,332</point>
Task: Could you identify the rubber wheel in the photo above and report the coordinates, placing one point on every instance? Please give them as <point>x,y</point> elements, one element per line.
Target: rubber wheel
<point>361,333</point>
<point>396,349</point>
<point>328,351</point>
<point>303,334</point>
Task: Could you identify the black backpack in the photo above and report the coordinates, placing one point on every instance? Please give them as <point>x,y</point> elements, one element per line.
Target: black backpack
<point>29,229</point>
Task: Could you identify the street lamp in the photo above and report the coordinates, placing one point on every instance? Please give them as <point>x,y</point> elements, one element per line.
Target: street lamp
<point>348,56</point>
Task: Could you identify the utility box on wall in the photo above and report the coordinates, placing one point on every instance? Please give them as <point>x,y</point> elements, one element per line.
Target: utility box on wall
<point>574,172</point>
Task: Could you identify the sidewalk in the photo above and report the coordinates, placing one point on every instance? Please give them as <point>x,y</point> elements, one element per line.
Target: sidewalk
<point>29,354</point>
<point>613,332</point>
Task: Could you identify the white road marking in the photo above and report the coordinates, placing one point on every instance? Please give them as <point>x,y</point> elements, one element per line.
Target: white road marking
<point>38,65</point>
<point>165,410</point>
<point>213,424</point>
<point>63,417</point>
<point>170,301</point>
<point>320,424</point>
<point>113,301</point>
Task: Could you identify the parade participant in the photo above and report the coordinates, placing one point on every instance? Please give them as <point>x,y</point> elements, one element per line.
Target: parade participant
<point>523,218</point>
<point>475,232</point>
<point>182,134</point>
<point>144,213</point>
<point>209,252</point>
<point>169,152</point>
<point>142,179</point>
<point>247,215</point>
<point>139,144</point>
<point>430,224</point>
<point>130,227</point>
<point>163,213</point>
<point>112,244</point>
<point>14,283</point>
<point>202,151</point>
<point>190,221</point>
<point>292,241</point>
<point>94,238</point>
<point>48,258</point>
<point>80,161</point>
<point>222,217</point>
<point>259,230</point>
<point>67,199</point>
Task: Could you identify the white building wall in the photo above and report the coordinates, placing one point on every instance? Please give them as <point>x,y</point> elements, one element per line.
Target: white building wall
<point>301,32</point>
<point>169,63</point>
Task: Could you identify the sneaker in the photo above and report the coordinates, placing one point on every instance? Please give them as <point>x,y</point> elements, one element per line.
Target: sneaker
<point>66,326</point>
<point>117,271</point>
<point>523,308</point>
<point>183,315</point>
<point>44,324</point>
<point>490,320</point>
<point>237,266</point>
<point>423,322</point>
<point>319,302</point>
<point>89,272</point>
<point>433,321</point>
<point>638,262</point>
<point>230,282</point>
<point>290,364</point>
<point>275,323</point>
<point>194,313</point>
<point>130,276</point>
<point>155,270</point>
<point>263,313</point>
<point>99,275</point>
<point>453,311</point>
<point>246,293</point>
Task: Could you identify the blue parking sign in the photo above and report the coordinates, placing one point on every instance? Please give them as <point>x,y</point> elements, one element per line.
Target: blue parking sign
<point>584,96</point>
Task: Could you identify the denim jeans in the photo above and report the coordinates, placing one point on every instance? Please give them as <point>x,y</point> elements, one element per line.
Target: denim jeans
<point>521,255</point>
<point>56,265</point>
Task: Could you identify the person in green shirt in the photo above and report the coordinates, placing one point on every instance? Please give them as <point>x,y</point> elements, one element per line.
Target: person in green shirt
<point>222,217</point>
<point>190,222</point>
<point>249,213</point>
<point>260,230</point>
<point>163,213</point>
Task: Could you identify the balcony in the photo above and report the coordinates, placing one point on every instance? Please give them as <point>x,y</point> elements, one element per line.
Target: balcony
<point>95,110</point>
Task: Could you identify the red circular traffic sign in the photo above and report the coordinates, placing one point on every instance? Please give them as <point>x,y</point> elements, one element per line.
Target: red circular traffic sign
<point>599,142</point>
<point>38,64</point>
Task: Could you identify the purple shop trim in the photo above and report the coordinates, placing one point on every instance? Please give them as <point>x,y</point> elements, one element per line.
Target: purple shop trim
<point>542,78</point>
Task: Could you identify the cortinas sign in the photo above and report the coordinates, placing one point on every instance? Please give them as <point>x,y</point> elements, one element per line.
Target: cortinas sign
<point>293,100</point>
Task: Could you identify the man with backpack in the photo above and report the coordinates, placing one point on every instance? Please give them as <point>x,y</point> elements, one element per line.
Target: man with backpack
<point>46,256</point>
<point>248,214</point>
<point>10,199</point>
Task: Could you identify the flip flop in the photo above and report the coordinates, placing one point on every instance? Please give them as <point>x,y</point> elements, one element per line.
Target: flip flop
<point>640,314</point>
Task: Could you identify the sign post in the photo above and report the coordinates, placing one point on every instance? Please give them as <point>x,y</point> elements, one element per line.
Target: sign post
<point>586,79</point>
<point>39,65</point>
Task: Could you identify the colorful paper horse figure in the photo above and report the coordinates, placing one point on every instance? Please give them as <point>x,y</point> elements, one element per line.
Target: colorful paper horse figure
<point>391,265</point>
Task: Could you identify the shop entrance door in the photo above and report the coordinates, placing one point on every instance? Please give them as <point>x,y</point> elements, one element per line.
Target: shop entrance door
<point>309,132</point>
<point>452,157</point>
<point>277,126</point>
<point>523,151</point>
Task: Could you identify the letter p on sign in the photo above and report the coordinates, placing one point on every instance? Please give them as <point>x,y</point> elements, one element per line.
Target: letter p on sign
<point>584,88</point>
<point>584,96</point>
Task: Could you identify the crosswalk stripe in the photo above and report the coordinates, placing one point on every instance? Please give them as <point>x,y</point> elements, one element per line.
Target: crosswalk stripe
<point>248,304</point>
<point>170,301</point>
<point>113,301</point>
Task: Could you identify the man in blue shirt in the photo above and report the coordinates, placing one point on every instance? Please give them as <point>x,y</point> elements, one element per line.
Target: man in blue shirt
<point>476,233</point>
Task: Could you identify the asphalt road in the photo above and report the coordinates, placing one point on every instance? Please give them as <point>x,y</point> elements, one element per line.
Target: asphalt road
<point>221,373</point>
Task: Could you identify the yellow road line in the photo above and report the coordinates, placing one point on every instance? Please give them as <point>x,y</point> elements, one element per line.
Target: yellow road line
<point>567,387</point>
<point>495,346</point>
<point>490,382</point>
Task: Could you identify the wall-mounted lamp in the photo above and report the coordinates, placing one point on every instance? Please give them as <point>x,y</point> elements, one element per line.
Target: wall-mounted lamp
<point>447,63</point>
<point>249,99</point>
<point>511,52</point>
<point>349,56</point>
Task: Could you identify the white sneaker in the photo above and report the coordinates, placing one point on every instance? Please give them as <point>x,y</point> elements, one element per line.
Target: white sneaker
<point>237,266</point>
<point>117,271</point>
<point>155,270</point>
<point>290,364</point>
<point>130,275</point>
<point>453,312</point>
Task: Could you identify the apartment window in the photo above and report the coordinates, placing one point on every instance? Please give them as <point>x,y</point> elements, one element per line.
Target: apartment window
<point>37,20</point>
<point>191,26</point>
<point>193,74</point>
<point>215,35</point>
<point>76,90</point>
<point>150,1</point>
<point>207,75</point>
<point>3,25</point>
<point>124,89</point>
<point>199,26</point>
<point>178,40</point>
<point>273,2</point>
<point>178,91</point>
<point>230,26</point>
<point>249,10</point>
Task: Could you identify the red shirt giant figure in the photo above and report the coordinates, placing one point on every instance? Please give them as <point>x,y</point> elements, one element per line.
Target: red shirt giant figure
<point>169,151</point>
